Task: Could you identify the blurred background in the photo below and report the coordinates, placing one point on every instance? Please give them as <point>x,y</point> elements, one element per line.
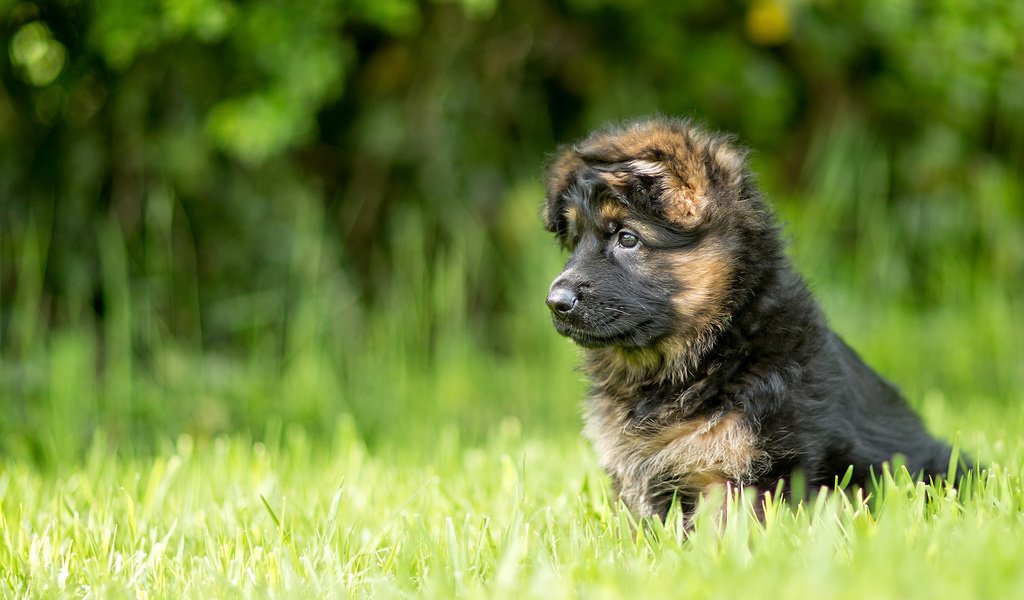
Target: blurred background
<point>272,216</point>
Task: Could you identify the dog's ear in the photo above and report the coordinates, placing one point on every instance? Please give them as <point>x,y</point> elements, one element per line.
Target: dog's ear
<point>692,166</point>
<point>564,170</point>
<point>726,166</point>
<point>700,170</point>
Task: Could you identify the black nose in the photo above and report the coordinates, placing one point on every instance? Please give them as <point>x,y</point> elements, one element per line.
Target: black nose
<point>561,301</point>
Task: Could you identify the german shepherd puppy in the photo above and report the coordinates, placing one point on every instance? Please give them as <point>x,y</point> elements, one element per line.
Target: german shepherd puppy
<point>709,361</point>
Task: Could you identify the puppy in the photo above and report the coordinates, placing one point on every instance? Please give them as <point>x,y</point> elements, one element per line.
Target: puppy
<point>709,361</point>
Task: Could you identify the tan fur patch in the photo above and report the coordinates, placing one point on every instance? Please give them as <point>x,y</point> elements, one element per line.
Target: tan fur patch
<point>698,454</point>
<point>711,451</point>
<point>617,180</point>
<point>731,162</point>
<point>704,275</point>
<point>612,212</point>
<point>572,217</point>
<point>684,202</point>
<point>613,367</point>
<point>648,167</point>
<point>560,176</point>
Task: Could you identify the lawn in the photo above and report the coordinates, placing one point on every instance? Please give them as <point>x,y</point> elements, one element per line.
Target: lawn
<point>517,516</point>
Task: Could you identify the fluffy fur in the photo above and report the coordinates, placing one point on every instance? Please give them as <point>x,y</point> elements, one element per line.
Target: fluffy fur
<point>710,363</point>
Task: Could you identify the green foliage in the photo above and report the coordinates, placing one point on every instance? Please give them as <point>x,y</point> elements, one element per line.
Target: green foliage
<point>234,213</point>
<point>248,114</point>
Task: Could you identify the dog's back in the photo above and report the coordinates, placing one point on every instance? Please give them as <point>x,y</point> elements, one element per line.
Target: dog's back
<point>881,423</point>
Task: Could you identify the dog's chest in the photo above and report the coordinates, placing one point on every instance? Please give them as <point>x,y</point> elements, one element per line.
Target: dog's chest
<point>650,463</point>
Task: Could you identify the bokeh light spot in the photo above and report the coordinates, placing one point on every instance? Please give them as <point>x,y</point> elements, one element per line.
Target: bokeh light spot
<point>39,56</point>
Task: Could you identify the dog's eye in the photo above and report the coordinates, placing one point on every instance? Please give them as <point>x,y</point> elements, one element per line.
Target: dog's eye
<point>628,240</point>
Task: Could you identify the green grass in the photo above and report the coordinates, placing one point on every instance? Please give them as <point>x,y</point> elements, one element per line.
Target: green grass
<point>519,516</point>
<point>466,476</point>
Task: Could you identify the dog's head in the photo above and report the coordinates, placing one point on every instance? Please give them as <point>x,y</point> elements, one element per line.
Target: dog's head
<point>662,220</point>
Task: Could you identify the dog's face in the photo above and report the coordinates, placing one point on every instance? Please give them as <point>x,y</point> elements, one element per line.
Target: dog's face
<point>644,212</point>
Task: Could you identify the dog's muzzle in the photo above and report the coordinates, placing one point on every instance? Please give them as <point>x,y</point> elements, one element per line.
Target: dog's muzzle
<point>562,300</point>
